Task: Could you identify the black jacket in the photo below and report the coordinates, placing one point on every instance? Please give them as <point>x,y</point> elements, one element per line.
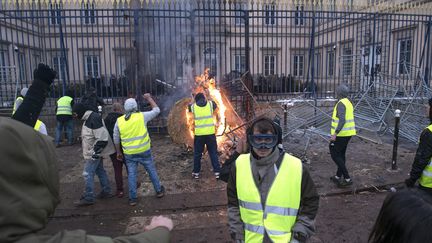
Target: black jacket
<point>110,122</point>
<point>422,157</point>
<point>91,101</point>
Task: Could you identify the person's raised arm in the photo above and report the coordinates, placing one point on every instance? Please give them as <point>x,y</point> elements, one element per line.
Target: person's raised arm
<point>29,110</point>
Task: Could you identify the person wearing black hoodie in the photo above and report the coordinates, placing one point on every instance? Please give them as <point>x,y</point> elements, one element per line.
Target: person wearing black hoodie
<point>110,121</point>
<point>204,130</point>
<point>422,166</point>
<point>91,100</point>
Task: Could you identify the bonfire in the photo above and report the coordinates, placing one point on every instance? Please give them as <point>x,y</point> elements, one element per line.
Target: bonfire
<point>228,130</point>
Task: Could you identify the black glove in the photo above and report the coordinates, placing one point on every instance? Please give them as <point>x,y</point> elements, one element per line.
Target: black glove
<point>96,156</point>
<point>409,182</point>
<point>44,73</point>
<point>300,237</point>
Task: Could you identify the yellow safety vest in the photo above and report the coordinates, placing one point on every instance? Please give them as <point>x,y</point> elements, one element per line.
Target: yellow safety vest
<point>133,134</point>
<point>349,127</point>
<point>426,176</point>
<point>64,106</point>
<point>279,213</point>
<point>37,125</point>
<point>203,117</point>
<point>14,107</point>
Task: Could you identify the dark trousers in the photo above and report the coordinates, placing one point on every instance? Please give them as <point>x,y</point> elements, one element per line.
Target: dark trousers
<point>337,152</point>
<point>210,142</point>
<point>118,171</point>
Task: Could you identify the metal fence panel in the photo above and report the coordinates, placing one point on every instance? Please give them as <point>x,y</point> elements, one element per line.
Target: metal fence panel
<point>123,48</point>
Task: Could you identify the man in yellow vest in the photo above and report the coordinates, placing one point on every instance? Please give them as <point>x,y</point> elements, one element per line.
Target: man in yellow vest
<point>204,131</point>
<point>64,118</point>
<point>131,131</point>
<point>422,166</point>
<point>342,129</point>
<point>271,196</point>
<point>19,100</point>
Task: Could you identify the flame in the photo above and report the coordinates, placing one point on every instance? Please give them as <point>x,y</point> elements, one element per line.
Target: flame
<point>206,85</point>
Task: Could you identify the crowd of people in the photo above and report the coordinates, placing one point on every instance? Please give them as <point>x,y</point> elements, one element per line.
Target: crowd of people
<point>271,195</point>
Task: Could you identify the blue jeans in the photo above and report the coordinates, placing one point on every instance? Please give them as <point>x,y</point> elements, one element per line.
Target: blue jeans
<point>210,142</point>
<point>69,131</point>
<point>91,168</point>
<point>146,159</point>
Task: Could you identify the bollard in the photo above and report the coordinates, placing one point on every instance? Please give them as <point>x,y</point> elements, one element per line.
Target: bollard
<point>395,140</point>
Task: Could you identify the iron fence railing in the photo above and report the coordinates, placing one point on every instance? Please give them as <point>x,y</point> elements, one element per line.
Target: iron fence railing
<point>302,47</point>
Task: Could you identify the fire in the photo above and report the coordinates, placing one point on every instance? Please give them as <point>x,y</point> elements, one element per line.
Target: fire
<point>206,85</point>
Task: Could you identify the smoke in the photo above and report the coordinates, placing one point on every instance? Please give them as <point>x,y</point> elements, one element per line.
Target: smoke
<point>168,100</point>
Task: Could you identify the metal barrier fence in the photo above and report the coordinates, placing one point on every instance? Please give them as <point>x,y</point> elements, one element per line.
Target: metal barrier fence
<point>288,47</point>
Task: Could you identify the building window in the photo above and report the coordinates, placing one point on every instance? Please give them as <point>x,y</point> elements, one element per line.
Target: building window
<point>210,60</point>
<point>317,65</point>
<point>239,14</point>
<point>331,63</point>
<point>299,15</point>
<point>22,67</point>
<point>404,56</point>
<point>36,59</point>
<point>269,65</point>
<point>91,66</point>
<point>121,64</point>
<point>55,13</point>
<point>270,14</point>
<point>347,60</point>
<point>240,63</point>
<point>59,66</point>
<point>298,65</point>
<point>88,14</point>
<point>4,60</point>
<point>121,14</point>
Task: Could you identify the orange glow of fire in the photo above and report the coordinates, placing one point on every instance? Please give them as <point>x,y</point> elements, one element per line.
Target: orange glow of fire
<point>206,85</point>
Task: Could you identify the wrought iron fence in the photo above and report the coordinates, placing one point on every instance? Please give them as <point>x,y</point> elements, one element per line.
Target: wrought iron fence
<point>123,48</point>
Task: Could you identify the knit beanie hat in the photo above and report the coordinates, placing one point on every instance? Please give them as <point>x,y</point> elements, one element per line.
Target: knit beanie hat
<point>130,107</point>
<point>79,109</point>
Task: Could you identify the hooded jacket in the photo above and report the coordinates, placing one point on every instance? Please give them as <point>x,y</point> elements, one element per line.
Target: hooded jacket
<point>95,136</point>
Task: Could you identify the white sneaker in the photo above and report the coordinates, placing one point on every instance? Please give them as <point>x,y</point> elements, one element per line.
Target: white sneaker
<point>195,175</point>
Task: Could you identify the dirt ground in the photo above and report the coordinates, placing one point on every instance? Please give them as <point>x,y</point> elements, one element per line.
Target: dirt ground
<point>198,207</point>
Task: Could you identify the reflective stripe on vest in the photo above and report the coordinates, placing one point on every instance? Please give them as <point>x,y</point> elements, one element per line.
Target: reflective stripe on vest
<point>426,176</point>
<point>348,128</point>
<point>203,117</point>
<point>280,212</point>
<point>64,106</point>
<point>14,107</point>
<point>37,125</point>
<point>133,134</point>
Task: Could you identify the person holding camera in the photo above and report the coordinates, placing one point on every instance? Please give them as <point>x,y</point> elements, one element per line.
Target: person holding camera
<point>96,144</point>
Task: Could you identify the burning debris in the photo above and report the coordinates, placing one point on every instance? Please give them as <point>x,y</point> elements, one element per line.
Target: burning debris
<point>181,122</point>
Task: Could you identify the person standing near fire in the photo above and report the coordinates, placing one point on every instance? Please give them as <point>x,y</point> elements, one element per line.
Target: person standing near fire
<point>205,133</point>
<point>342,129</point>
